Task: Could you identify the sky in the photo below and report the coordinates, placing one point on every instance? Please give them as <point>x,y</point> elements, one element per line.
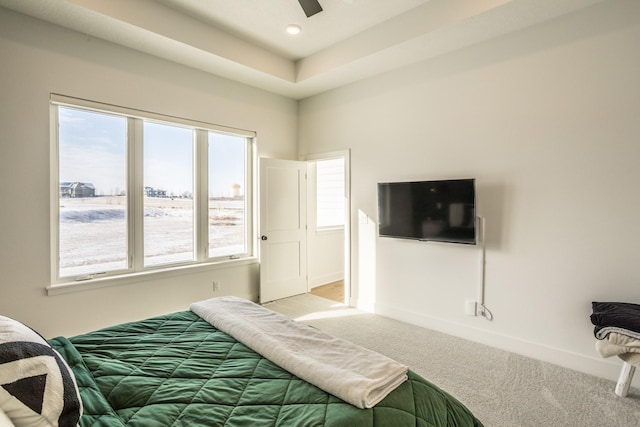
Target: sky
<point>92,149</point>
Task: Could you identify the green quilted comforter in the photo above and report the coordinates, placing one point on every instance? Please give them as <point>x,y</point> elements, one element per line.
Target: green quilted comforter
<point>178,370</point>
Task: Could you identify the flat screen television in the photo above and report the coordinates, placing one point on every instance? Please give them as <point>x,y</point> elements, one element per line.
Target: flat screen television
<point>441,211</point>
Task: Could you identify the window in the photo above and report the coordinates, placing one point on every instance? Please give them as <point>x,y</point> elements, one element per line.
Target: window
<point>168,186</point>
<point>330,193</point>
<point>135,191</point>
<point>92,180</point>
<point>227,188</point>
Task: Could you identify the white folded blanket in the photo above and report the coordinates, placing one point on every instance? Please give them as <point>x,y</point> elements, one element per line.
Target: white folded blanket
<point>604,332</point>
<point>623,346</point>
<point>355,374</point>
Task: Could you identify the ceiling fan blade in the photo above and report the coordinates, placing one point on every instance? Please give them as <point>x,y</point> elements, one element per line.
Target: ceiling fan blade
<point>310,7</point>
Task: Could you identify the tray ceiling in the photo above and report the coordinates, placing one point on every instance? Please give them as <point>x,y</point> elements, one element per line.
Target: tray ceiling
<point>245,40</point>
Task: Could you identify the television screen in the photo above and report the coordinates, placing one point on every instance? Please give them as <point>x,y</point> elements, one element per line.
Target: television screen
<point>442,211</point>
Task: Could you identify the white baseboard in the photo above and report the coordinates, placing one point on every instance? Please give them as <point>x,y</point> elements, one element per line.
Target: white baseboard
<point>603,368</point>
<point>325,279</point>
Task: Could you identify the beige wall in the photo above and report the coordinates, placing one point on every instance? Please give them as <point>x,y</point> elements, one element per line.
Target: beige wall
<point>547,122</point>
<point>38,59</point>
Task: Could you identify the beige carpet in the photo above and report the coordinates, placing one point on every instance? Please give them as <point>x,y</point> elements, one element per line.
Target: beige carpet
<point>500,388</point>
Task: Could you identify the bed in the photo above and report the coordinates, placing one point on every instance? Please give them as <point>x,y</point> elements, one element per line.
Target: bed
<point>180,370</point>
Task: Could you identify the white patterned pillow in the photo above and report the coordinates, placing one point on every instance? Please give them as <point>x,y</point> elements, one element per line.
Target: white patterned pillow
<point>4,420</point>
<point>37,387</point>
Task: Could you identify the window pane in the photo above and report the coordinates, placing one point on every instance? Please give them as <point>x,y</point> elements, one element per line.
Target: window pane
<point>92,177</point>
<point>168,194</point>
<point>227,186</point>
<point>330,195</point>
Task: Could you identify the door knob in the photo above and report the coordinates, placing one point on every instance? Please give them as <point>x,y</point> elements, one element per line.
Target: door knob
<point>263,237</point>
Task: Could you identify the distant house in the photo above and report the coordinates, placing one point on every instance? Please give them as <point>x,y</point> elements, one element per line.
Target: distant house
<point>154,192</point>
<point>77,189</point>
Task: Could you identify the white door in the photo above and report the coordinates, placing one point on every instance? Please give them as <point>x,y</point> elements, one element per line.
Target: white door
<point>283,218</point>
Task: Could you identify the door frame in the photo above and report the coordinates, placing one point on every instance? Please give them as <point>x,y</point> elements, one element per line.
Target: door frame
<point>346,155</point>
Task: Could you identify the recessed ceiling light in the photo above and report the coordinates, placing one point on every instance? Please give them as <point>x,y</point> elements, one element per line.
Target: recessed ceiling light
<point>293,29</point>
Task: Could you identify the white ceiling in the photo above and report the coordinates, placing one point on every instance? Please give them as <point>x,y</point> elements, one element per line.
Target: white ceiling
<point>245,40</point>
<point>263,22</point>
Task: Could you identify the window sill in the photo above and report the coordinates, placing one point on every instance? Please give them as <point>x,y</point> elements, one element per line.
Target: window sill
<point>102,282</point>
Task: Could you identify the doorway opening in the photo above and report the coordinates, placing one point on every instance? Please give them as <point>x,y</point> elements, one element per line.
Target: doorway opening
<point>328,225</point>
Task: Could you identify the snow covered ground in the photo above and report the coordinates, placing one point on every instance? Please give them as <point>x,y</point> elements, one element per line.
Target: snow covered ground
<point>93,232</point>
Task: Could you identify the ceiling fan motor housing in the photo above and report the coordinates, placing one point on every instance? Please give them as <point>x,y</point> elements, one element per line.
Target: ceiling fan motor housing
<point>310,7</point>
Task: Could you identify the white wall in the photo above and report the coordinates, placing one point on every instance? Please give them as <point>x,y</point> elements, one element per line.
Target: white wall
<point>547,121</point>
<point>38,59</point>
